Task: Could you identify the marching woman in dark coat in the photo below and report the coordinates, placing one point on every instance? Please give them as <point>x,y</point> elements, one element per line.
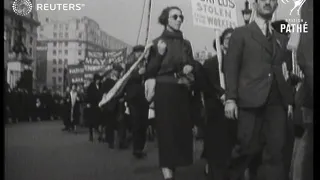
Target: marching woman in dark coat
<point>170,64</point>
<point>73,108</point>
<point>110,110</point>
<point>137,103</point>
<point>220,132</point>
<point>93,113</point>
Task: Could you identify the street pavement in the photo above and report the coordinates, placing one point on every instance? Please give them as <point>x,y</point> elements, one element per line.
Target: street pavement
<point>41,151</point>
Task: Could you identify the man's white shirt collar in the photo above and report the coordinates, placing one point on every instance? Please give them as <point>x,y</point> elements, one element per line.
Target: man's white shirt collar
<point>262,24</point>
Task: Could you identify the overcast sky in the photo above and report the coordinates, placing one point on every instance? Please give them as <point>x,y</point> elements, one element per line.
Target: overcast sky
<point>121,18</point>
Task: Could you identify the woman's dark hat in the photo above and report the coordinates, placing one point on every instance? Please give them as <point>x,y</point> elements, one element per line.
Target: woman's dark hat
<point>117,67</point>
<point>138,48</point>
<point>96,77</point>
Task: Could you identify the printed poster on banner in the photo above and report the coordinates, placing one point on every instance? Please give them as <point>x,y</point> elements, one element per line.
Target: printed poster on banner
<point>76,74</point>
<point>216,14</point>
<point>101,61</point>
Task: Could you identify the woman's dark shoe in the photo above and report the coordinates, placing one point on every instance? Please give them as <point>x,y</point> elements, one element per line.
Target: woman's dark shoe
<point>111,145</point>
<point>100,139</point>
<point>123,146</point>
<point>91,138</point>
<point>139,155</point>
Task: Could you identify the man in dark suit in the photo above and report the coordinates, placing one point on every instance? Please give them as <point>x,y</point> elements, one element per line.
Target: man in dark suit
<point>305,48</point>
<point>93,113</point>
<point>137,103</point>
<point>257,94</point>
<point>305,60</point>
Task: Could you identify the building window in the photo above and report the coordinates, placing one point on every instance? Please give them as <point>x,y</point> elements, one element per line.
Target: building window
<point>30,51</point>
<point>55,26</point>
<point>60,44</point>
<point>60,26</point>
<point>67,27</point>
<point>65,61</point>
<point>31,40</point>
<point>66,52</point>
<point>66,44</point>
<point>60,79</point>
<point>31,28</point>
<point>60,70</point>
<point>66,35</point>
<point>54,61</point>
<point>80,44</point>
<point>54,44</point>
<point>41,28</point>
<point>79,52</point>
<point>77,24</point>
<point>80,35</point>
<point>54,52</point>
<point>54,35</point>
<point>60,35</point>
<point>47,19</point>
<point>60,52</point>
<point>54,70</point>
<point>54,80</point>
<point>12,21</point>
<point>60,61</point>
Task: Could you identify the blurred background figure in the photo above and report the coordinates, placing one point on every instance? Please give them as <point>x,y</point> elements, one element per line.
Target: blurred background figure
<point>93,113</point>
<point>220,132</point>
<point>73,101</point>
<point>111,109</point>
<point>137,104</point>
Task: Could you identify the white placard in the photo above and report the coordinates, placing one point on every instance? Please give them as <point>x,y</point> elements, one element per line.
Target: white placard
<point>216,14</point>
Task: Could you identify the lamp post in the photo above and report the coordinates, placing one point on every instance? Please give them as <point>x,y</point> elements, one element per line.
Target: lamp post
<point>246,13</point>
<point>19,53</point>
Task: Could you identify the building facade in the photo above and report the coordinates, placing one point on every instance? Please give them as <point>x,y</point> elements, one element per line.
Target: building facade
<point>67,42</point>
<point>14,67</point>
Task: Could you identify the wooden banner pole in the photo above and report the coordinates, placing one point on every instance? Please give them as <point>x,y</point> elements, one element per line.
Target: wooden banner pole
<point>219,55</point>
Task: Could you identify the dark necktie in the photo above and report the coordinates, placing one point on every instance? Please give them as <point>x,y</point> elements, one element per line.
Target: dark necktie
<point>268,35</point>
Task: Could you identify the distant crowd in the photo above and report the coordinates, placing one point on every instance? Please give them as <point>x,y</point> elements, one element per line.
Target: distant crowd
<point>23,105</point>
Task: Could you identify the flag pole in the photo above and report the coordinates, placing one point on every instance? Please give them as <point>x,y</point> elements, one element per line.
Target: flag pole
<point>148,23</point>
<point>219,55</point>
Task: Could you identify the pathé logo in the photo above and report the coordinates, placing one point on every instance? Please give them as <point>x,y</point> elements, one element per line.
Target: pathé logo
<point>297,5</point>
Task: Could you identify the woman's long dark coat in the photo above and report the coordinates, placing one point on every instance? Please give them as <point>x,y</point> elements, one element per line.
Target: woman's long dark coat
<point>76,109</point>
<point>172,101</point>
<point>93,114</point>
<point>220,132</point>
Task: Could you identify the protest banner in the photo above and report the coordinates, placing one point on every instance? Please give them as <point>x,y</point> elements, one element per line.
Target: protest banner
<point>76,74</point>
<point>101,61</point>
<point>218,15</point>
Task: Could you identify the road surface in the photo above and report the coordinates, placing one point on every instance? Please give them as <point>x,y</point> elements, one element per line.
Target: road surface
<point>41,151</point>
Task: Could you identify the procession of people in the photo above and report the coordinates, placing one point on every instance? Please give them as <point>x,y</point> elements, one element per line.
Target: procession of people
<point>249,124</point>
